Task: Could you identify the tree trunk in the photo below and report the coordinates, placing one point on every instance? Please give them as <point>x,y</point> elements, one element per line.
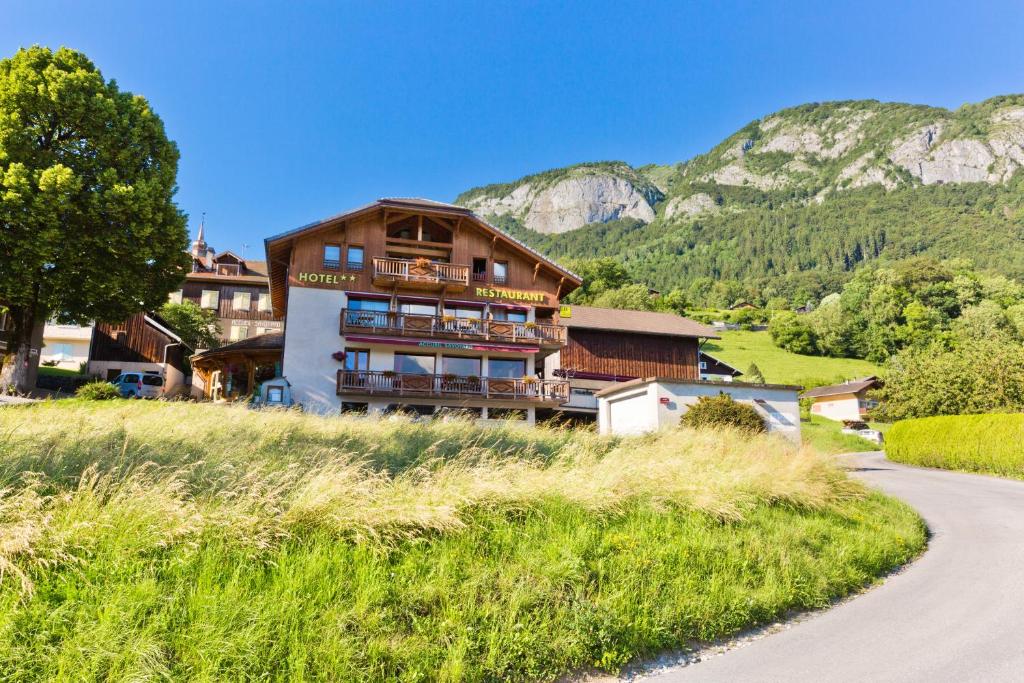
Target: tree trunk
<point>24,343</point>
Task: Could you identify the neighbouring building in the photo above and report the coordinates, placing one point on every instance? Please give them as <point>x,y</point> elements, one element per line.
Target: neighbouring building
<point>605,346</point>
<point>416,305</point>
<point>715,370</point>
<point>653,403</point>
<point>65,346</point>
<point>140,344</point>
<point>237,289</point>
<point>846,401</point>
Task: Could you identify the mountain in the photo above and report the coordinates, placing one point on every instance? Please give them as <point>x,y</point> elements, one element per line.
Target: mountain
<point>806,193</point>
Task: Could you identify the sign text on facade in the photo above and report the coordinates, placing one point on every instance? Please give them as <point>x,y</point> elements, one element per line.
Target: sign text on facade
<point>510,294</point>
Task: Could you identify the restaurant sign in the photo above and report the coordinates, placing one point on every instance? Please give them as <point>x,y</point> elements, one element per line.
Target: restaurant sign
<point>510,294</point>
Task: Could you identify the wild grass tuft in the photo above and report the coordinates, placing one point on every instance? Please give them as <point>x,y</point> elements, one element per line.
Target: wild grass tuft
<point>174,540</point>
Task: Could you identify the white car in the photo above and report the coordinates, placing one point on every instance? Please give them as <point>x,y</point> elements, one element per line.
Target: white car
<point>139,384</point>
<point>862,430</point>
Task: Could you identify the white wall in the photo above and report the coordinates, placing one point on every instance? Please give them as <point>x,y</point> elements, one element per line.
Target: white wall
<point>174,380</point>
<point>839,407</point>
<point>310,337</point>
<point>667,401</point>
<point>78,337</point>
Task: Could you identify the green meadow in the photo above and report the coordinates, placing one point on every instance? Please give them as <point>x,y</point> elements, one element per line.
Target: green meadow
<point>148,540</point>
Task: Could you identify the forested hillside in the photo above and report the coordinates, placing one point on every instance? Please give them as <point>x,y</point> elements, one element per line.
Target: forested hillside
<point>791,204</point>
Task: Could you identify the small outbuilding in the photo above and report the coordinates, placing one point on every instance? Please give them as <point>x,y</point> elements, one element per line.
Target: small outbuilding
<point>846,401</point>
<point>653,403</point>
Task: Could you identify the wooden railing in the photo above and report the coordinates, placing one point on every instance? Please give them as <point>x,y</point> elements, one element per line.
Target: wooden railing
<point>450,327</point>
<point>413,272</point>
<point>385,383</point>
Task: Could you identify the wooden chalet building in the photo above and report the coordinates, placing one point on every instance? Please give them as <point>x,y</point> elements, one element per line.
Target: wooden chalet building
<point>237,289</point>
<point>605,346</point>
<point>419,305</point>
<point>143,343</point>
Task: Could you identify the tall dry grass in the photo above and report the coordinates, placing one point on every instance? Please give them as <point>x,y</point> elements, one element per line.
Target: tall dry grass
<point>155,475</point>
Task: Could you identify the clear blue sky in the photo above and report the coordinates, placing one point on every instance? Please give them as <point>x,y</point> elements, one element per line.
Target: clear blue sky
<point>289,112</point>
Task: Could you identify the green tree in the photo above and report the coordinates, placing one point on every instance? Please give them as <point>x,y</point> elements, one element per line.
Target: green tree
<point>198,327</point>
<point>599,275</point>
<point>754,375</point>
<point>634,297</point>
<point>88,226</point>
<point>790,332</point>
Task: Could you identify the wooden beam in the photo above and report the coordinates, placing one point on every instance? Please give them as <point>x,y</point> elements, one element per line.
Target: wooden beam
<point>395,216</point>
<point>558,293</point>
<point>419,228</point>
<point>536,269</point>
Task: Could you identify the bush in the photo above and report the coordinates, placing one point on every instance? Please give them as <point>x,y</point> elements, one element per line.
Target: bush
<point>793,334</point>
<point>98,391</point>
<point>722,411</point>
<point>993,444</point>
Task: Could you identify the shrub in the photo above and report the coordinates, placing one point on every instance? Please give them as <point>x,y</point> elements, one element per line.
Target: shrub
<point>98,391</point>
<point>993,444</point>
<point>793,334</point>
<point>722,411</point>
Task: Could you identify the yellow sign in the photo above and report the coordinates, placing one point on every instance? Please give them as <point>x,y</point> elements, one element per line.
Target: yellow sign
<point>510,294</point>
<point>325,278</point>
<point>565,312</point>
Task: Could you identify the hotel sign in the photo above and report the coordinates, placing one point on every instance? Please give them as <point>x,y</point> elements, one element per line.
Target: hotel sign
<point>510,294</point>
<point>324,278</point>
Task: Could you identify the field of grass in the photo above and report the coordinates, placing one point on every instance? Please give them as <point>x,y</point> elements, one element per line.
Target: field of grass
<point>180,541</point>
<point>989,444</point>
<point>827,436</point>
<point>741,348</point>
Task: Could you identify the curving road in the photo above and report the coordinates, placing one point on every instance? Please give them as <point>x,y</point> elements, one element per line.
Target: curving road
<point>956,614</point>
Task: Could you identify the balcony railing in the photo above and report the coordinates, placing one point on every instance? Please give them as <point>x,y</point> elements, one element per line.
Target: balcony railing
<point>450,327</point>
<point>419,274</point>
<point>384,383</point>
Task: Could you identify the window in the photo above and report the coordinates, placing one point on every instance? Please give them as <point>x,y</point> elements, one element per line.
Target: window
<point>355,408</point>
<point>210,298</point>
<point>354,260</point>
<point>264,304</point>
<point>275,394</point>
<point>500,272</point>
<point>407,363</point>
<point>113,374</point>
<point>332,257</point>
<point>241,301</point>
<point>60,352</point>
<point>479,269</point>
<point>461,367</point>
<point>506,367</point>
<point>239,332</point>
<point>509,314</point>
<point>464,312</point>
<point>367,312</point>
<point>410,308</point>
<point>153,380</point>
<point>174,297</point>
<point>357,359</point>
<point>703,365</point>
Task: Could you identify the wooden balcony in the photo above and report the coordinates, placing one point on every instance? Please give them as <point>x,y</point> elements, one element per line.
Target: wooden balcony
<point>419,274</point>
<point>404,385</point>
<point>392,323</point>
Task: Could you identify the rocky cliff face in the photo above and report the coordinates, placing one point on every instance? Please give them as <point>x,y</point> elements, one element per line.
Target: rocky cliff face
<point>799,154</point>
<point>582,195</point>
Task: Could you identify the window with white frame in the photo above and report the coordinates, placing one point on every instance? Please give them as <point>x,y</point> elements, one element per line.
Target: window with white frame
<point>61,352</point>
<point>210,298</point>
<point>239,332</point>
<point>174,297</point>
<point>263,303</point>
<point>241,301</point>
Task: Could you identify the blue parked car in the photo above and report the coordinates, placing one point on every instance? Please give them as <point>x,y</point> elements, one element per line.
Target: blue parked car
<point>139,384</point>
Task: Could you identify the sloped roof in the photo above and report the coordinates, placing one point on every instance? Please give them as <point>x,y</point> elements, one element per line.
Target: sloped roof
<point>854,386</point>
<point>645,322</point>
<point>271,341</point>
<point>735,372</point>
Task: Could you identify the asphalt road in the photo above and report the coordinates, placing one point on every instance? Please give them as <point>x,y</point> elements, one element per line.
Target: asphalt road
<point>956,614</point>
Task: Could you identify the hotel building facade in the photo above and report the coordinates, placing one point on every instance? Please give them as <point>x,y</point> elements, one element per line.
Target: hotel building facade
<point>417,305</point>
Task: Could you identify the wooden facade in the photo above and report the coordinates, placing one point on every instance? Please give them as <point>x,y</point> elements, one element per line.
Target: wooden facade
<point>601,354</point>
<point>472,261</point>
<point>136,341</point>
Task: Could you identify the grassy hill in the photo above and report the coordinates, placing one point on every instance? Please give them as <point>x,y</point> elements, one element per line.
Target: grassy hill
<point>178,541</point>
<point>741,348</point>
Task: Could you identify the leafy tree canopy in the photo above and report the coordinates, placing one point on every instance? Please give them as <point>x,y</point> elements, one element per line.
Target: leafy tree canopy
<point>88,226</point>
<point>198,327</point>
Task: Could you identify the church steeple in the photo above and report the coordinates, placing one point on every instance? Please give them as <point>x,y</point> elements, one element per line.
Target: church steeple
<point>200,249</point>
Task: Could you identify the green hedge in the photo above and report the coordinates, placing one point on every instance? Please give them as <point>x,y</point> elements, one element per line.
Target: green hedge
<point>993,444</point>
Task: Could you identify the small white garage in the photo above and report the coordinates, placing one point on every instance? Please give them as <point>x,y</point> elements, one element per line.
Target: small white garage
<point>653,403</point>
